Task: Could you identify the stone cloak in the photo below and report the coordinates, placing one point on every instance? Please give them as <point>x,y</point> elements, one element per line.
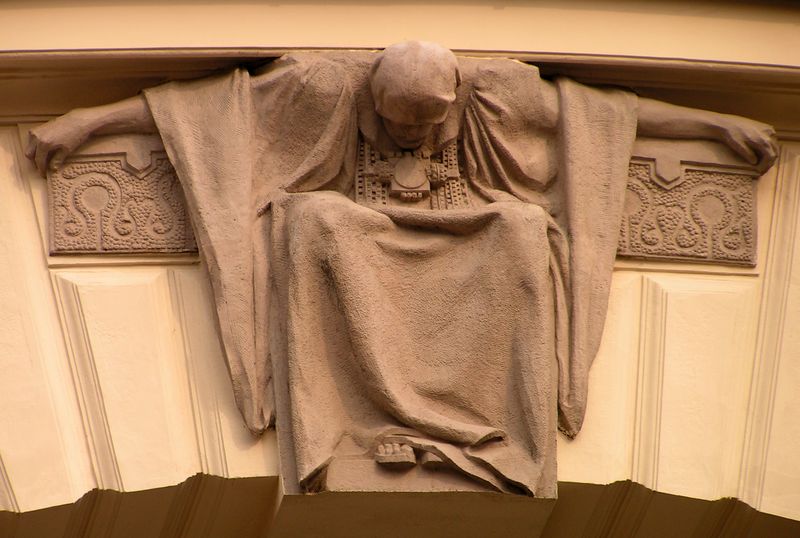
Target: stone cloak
<point>249,147</point>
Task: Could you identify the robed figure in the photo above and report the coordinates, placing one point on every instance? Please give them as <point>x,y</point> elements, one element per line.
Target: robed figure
<point>410,252</point>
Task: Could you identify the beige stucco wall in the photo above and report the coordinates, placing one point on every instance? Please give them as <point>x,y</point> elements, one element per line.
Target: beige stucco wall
<point>112,376</point>
<point>721,31</point>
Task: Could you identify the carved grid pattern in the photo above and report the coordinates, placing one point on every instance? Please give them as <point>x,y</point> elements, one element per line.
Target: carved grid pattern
<point>369,191</point>
<point>452,193</point>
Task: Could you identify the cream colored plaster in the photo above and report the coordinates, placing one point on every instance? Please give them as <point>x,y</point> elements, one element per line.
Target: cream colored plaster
<point>778,471</point>
<point>44,456</point>
<point>723,31</point>
<point>611,407</point>
<point>699,342</point>
<point>111,375</point>
<point>159,310</point>
<point>43,460</point>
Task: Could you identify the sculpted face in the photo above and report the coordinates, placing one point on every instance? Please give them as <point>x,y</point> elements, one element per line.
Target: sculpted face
<point>413,85</point>
<point>408,135</point>
<point>410,128</point>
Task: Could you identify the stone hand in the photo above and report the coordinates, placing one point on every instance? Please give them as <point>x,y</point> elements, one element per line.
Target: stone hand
<point>752,140</point>
<point>50,143</point>
<point>54,141</point>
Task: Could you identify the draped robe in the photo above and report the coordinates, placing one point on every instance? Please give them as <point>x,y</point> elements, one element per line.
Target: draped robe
<point>466,333</point>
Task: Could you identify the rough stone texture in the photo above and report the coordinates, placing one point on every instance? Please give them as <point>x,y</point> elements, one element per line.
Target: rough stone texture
<point>406,332</point>
<point>705,213</point>
<point>689,201</point>
<point>400,324</point>
<point>708,217</point>
<point>120,196</point>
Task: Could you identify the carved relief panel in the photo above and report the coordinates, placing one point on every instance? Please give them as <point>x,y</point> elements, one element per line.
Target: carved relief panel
<point>692,201</point>
<point>118,195</point>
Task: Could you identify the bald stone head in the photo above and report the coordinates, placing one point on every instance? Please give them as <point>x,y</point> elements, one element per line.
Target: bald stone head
<point>413,85</point>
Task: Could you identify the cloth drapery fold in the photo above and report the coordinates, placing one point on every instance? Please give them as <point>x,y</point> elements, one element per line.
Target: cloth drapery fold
<point>512,293</point>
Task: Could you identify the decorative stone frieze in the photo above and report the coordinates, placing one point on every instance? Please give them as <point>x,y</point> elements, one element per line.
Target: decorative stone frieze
<point>690,201</point>
<point>118,195</point>
<point>686,200</point>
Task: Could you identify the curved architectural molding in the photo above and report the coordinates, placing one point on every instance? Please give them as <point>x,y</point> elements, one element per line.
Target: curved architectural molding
<point>775,343</point>
<point>251,508</point>
<point>7,498</point>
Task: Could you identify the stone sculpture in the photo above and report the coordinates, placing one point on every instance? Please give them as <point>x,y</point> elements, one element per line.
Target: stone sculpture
<point>410,252</point>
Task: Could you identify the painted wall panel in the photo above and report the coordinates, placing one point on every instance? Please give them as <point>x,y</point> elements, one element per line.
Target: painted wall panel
<point>42,453</point>
<point>130,368</point>
<point>780,427</point>
<point>706,30</point>
<point>607,434</point>
<point>227,448</point>
<point>703,332</point>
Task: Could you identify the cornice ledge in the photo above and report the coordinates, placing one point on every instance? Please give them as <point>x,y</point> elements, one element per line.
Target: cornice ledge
<point>630,70</point>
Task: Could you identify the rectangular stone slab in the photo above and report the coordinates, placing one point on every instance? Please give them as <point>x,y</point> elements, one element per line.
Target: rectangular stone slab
<point>118,195</point>
<point>689,201</point>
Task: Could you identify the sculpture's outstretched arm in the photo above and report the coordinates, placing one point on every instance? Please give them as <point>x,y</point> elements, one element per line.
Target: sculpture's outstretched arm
<point>752,140</point>
<point>53,141</point>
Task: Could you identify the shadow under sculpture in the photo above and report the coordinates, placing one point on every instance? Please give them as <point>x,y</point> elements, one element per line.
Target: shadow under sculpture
<point>410,251</point>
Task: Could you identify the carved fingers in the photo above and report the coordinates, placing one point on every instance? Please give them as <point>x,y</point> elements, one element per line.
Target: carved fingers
<point>752,140</point>
<point>395,454</point>
<point>41,151</point>
<point>49,144</point>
